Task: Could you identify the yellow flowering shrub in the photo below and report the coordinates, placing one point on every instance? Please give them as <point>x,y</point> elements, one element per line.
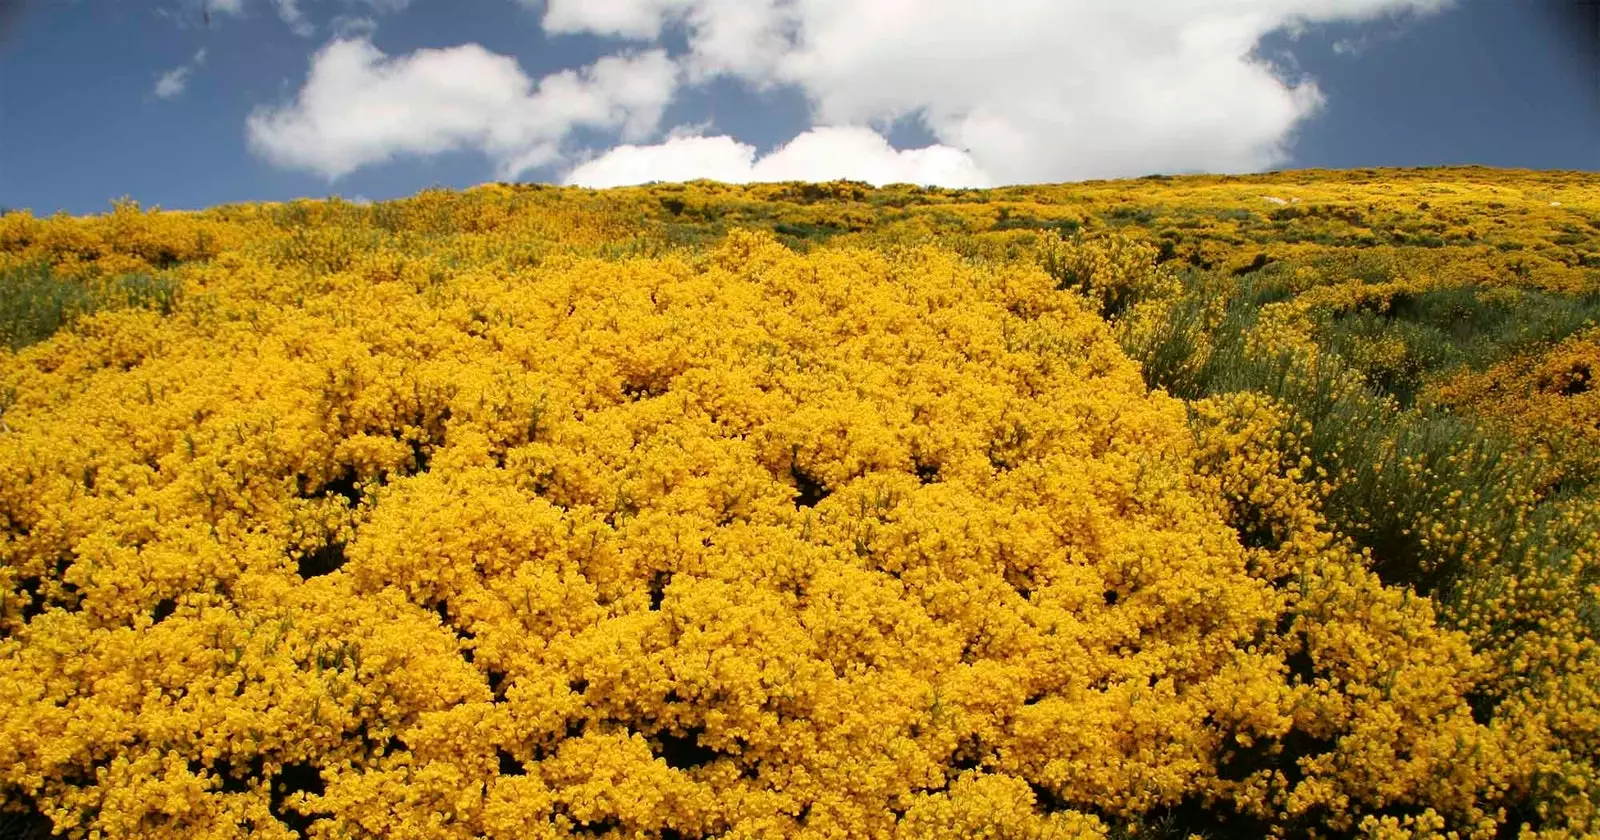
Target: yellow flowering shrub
<point>1113,271</point>
<point>525,512</point>
<point>1548,398</point>
<point>126,240</point>
<point>746,543</point>
<point>1389,701</point>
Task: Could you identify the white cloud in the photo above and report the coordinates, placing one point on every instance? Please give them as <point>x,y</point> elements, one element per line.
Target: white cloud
<point>637,19</point>
<point>1359,43</point>
<point>695,129</point>
<point>820,154</point>
<point>678,159</point>
<point>360,107</point>
<point>1037,90</point>
<point>171,83</point>
<point>742,37</point>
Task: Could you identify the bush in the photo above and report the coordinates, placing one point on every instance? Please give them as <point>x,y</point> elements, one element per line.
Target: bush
<point>545,511</point>
<point>1420,336</point>
<point>35,303</point>
<point>1393,475</point>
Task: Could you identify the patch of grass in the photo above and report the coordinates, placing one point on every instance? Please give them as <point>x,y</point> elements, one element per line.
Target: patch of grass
<point>1198,349</point>
<point>34,304</point>
<point>688,235</point>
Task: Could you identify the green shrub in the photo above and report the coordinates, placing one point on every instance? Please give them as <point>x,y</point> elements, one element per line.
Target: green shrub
<point>1009,221</point>
<point>1448,329</point>
<point>1396,471</point>
<point>35,304</point>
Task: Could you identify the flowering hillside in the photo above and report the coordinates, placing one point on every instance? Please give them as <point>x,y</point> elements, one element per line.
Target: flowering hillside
<point>1120,509</point>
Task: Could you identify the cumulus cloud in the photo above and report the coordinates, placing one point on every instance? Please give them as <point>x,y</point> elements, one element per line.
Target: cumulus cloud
<point>360,107</point>
<point>637,19</point>
<point>820,154</point>
<point>1034,90</point>
<point>740,37</point>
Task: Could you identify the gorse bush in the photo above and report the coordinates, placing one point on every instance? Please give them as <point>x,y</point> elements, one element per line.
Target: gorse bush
<point>1546,399</point>
<point>1440,503</point>
<point>697,511</point>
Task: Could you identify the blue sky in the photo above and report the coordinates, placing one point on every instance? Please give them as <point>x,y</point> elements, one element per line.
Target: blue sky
<point>381,98</point>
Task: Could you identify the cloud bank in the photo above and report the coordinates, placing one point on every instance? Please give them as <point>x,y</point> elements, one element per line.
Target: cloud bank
<point>821,154</point>
<point>1019,91</point>
<point>1033,90</point>
<point>361,107</point>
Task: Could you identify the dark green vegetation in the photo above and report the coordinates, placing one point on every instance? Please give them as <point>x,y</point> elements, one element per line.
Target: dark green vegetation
<point>1447,329</point>
<point>1399,466</point>
<point>35,303</point>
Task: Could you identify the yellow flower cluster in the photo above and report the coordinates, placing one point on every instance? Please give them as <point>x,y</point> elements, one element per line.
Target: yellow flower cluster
<point>753,543</point>
<point>122,241</point>
<point>1549,399</point>
<point>456,518</point>
<point>1114,272</point>
<point>1464,224</point>
<point>1386,703</point>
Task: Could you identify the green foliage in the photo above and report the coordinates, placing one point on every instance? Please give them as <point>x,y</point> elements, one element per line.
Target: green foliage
<point>1007,220</point>
<point>1443,330</point>
<point>1124,215</point>
<point>35,303</point>
<point>800,235</point>
<point>1398,469</point>
<point>1198,348</point>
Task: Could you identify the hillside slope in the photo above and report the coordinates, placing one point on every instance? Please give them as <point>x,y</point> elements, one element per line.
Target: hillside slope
<point>1239,506</point>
